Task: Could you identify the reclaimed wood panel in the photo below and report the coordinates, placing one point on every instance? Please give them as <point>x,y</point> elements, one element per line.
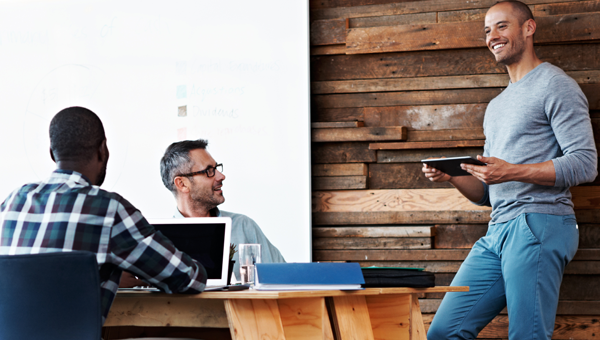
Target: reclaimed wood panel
<point>401,176</point>
<point>348,169</point>
<point>328,50</point>
<point>592,93</point>
<point>336,125</point>
<point>372,231</point>
<point>341,115</point>
<point>392,200</point>
<point>372,243</point>
<point>445,135</point>
<point>589,235</point>
<point>328,32</point>
<point>342,153</point>
<point>432,83</point>
<point>431,266</point>
<point>458,236</point>
<point>587,197</point>
<point>461,16</point>
<point>359,134</point>
<point>401,217</point>
<point>463,96</point>
<point>564,307</point>
<point>427,117</point>
<point>557,28</point>
<point>391,255</point>
<point>566,8</point>
<point>426,145</point>
<point>317,4</point>
<point>408,156</point>
<point>393,20</point>
<point>408,8</point>
<point>339,183</point>
<point>569,57</point>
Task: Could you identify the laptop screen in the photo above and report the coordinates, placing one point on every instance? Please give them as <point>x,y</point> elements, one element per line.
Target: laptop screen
<point>204,239</point>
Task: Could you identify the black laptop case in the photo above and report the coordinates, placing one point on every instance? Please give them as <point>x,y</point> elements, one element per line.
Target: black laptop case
<point>397,277</point>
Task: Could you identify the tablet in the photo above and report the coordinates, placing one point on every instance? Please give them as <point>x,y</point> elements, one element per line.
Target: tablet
<point>451,166</point>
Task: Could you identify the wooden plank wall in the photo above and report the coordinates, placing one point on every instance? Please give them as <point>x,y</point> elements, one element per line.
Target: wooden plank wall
<point>396,81</point>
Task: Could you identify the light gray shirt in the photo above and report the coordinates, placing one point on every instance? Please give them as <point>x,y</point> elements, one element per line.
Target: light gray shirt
<point>245,230</point>
<point>544,116</point>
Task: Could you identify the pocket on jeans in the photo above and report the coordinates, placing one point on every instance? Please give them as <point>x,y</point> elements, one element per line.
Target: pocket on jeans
<point>526,226</point>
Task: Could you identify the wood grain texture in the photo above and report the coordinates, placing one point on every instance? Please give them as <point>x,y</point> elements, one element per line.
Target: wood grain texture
<point>331,125</point>
<point>566,8</point>
<point>254,319</point>
<point>328,32</point>
<point>371,243</point>
<point>343,114</point>
<point>589,235</point>
<point>351,318</point>
<point>461,16</point>
<point>401,217</point>
<point>592,93</point>
<point>381,9</point>
<point>413,156</point>
<point>373,231</point>
<point>324,153</point>
<point>391,255</point>
<point>390,316</point>
<point>445,135</point>
<point>305,319</point>
<point>339,183</point>
<point>427,117</point>
<point>426,145</point>
<point>323,170</point>
<point>392,200</point>
<point>359,134</point>
<point>417,329</point>
<point>401,176</point>
<point>431,83</point>
<point>328,50</point>
<point>319,4</point>
<point>587,197</point>
<point>558,28</point>
<point>463,96</point>
<point>458,236</point>
<point>393,20</point>
<point>174,312</point>
<point>569,57</point>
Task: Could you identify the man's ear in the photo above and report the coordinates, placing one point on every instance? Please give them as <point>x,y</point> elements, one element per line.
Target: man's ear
<point>103,152</point>
<point>182,184</point>
<point>530,27</point>
<point>52,155</point>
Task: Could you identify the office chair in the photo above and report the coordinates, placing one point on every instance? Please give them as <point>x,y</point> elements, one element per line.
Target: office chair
<point>50,296</point>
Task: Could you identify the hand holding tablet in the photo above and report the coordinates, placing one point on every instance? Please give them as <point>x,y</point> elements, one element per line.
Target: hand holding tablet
<point>451,166</point>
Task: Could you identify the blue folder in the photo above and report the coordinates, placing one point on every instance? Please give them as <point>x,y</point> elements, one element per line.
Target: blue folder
<point>308,276</point>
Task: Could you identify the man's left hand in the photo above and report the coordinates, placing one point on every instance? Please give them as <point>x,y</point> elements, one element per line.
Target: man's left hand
<point>496,171</point>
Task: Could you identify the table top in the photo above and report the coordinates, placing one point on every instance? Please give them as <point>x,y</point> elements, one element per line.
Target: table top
<point>261,294</point>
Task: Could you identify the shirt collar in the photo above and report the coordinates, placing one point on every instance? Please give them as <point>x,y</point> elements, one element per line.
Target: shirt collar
<point>214,212</point>
<point>70,175</point>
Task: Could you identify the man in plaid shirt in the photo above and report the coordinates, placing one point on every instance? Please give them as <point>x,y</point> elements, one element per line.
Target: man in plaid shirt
<point>69,212</point>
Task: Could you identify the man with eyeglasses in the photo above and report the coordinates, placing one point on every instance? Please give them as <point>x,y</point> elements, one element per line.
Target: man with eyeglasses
<point>196,181</point>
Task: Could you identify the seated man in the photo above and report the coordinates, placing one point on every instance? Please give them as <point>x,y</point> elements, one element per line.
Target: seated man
<point>196,181</point>
<point>70,212</point>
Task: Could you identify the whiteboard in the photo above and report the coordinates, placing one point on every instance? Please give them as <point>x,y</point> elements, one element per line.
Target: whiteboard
<point>239,68</point>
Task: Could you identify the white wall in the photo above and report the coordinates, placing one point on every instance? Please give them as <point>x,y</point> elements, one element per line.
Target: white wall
<point>240,67</point>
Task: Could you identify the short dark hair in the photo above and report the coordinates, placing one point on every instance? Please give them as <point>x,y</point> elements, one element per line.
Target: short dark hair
<point>75,134</point>
<point>176,161</point>
<point>523,11</point>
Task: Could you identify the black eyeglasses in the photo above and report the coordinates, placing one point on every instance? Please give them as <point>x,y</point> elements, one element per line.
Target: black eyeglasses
<point>210,171</point>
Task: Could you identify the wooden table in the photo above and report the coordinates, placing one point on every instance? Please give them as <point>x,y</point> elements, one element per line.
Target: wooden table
<point>374,313</point>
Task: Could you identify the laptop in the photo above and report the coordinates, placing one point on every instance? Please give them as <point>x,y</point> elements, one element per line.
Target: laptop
<point>205,239</point>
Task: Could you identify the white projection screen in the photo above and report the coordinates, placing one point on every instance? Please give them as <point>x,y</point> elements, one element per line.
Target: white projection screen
<point>233,72</point>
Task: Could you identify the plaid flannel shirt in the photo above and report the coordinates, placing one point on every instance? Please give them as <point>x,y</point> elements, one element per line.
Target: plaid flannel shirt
<point>67,213</point>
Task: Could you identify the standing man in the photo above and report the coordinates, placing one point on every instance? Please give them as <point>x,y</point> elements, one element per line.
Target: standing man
<point>70,212</point>
<point>539,143</point>
<point>196,181</point>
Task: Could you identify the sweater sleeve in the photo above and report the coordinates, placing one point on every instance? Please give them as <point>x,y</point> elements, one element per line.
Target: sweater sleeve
<point>569,117</point>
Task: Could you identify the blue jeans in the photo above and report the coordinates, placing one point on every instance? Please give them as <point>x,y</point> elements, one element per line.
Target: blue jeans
<point>518,264</point>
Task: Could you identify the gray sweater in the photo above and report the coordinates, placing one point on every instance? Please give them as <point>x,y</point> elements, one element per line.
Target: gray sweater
<point>544,116</point>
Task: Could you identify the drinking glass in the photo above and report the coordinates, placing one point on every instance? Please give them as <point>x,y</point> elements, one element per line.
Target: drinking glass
<point>249,255</point>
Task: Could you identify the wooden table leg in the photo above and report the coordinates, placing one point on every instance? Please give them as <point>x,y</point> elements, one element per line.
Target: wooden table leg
<point>390,316</point>
<point>351,318</point>
<point>305,319</point>
<point>417,328</point>
<point>254,319</point>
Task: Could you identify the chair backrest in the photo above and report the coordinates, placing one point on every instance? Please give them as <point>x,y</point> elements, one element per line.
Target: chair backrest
<point>50,296</point>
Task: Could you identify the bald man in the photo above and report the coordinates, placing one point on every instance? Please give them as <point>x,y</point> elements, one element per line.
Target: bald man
<point>539,143</point>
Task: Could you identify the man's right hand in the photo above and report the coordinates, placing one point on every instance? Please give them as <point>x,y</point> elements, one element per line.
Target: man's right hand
<point>434,174</point>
